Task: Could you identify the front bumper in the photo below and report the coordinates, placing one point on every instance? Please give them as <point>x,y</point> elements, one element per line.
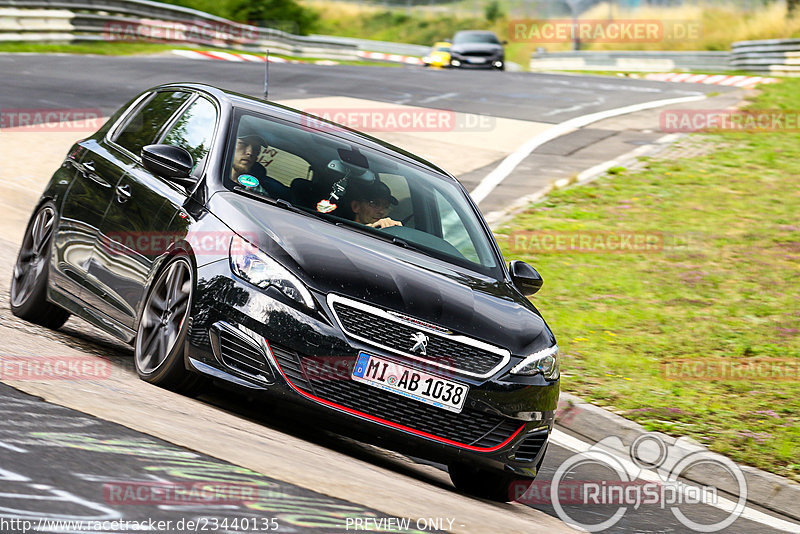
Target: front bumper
<point>466,62</point>
<point>260,341</point>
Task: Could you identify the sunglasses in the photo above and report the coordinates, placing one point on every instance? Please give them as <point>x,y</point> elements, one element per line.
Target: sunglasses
<point>382,203</point>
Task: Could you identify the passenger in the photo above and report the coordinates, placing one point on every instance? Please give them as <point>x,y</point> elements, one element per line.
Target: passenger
<point>371,205</point>
<point>245,168</point>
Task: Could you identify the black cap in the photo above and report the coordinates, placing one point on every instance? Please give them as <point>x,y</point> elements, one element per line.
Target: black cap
<point>251,138</point>
<point>376,190</point>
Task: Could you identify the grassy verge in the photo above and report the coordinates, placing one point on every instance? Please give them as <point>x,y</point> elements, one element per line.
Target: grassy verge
<point>722,286</point>
<point>143,48</point>
<point>100,48</point>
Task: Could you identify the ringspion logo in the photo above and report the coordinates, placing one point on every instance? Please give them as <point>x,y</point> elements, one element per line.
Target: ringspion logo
<point>648,474</point>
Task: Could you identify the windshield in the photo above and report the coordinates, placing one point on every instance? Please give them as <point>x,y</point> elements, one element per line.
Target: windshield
<point>326,176</point>
<point>463,38</point>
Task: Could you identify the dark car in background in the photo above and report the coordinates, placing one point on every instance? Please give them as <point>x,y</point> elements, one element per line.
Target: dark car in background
<point>477,49</point>
<point>221,236</point>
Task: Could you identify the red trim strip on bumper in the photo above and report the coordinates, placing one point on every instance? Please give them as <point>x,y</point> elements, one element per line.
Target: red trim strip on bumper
<point>389,423</point>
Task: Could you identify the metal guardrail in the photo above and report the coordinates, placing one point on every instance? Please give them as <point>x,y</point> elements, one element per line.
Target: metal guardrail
<point>774,57</point>
<point>93,20</point>
<point>777,57</point>
<point>636,61</point>
<point>385,47</point>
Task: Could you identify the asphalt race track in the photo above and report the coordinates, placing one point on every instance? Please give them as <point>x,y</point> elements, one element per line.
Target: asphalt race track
<point>107,82</point>
<point>64,457</point>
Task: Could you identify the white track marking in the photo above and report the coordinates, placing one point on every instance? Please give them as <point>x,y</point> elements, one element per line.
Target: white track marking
<point>507,166</point>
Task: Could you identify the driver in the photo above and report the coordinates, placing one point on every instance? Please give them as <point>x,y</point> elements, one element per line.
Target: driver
<point>248,172</point>
<point>371,205</point>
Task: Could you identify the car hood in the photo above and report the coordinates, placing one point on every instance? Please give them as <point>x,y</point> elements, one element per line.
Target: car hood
<point>467,48</point>
<point>332,258</point>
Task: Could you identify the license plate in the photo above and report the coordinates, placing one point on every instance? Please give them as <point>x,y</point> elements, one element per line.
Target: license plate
<point>409,382</point>
<point>476,60</point>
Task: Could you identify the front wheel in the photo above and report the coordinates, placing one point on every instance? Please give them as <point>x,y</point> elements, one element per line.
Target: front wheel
<point>29,280</point>
<point>163,327</point>
<point>488,484</point>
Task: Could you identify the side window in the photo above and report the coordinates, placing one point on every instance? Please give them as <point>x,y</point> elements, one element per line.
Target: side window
<point>194,131</point>
<point>453,229</point>
<point>148,120</point>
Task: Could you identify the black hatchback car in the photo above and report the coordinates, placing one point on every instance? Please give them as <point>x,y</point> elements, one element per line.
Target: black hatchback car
<point>236,241</point>
<point>477,49</point>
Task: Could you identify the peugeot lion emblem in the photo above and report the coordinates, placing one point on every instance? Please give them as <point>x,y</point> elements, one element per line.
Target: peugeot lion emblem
<point>420,343</point>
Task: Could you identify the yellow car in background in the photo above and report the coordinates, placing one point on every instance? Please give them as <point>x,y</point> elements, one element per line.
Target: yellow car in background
<point>439,56</point>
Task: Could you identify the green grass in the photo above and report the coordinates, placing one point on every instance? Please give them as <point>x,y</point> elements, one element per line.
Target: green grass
<point>725,285</point>
<point>100,48</point>
<point>143,48</point>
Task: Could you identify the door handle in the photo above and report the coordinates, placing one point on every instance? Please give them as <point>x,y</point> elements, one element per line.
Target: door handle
<point>123,193</point>
<point>89,172</point>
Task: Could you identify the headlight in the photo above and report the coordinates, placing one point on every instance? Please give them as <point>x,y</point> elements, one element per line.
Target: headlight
<point>251,264</point>
<point>544,362</point>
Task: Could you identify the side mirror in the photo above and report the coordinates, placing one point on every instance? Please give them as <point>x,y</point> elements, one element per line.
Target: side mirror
<point>503,42</point>
<point>525,277</point>
<point>170,162</point>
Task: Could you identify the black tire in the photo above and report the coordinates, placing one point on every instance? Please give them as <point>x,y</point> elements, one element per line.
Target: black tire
<point>488,484</point>
<point>28,293</point>
<point>163,327</point>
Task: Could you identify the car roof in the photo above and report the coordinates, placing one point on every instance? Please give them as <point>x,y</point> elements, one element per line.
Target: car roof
<point>299,118</point>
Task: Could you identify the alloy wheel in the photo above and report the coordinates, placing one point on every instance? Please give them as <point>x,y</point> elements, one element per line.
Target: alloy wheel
<point>164,316</point>
<point>33,256</point>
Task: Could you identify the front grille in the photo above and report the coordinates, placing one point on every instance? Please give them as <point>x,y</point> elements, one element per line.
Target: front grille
<point>239,354</point>
<point>397,337</point>
<point>478,53</point>
<point>470,427</point>
<point>530,446</point>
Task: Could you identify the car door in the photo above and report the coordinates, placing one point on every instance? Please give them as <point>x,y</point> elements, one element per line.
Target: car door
<point>135,229</point>
<point>106,161</point>
<point>80,217</point>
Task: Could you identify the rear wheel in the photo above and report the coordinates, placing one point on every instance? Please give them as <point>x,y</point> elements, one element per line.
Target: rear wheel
<point>163,327</point>
<point>29,280</point>
<point>488,484</point>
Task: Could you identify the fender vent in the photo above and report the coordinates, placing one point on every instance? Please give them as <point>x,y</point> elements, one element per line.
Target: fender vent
<point>238,352</point>
<point>529,448</point>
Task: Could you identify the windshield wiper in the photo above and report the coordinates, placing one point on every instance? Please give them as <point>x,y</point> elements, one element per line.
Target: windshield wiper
<point>383,236</point>
<point>280,202</point>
